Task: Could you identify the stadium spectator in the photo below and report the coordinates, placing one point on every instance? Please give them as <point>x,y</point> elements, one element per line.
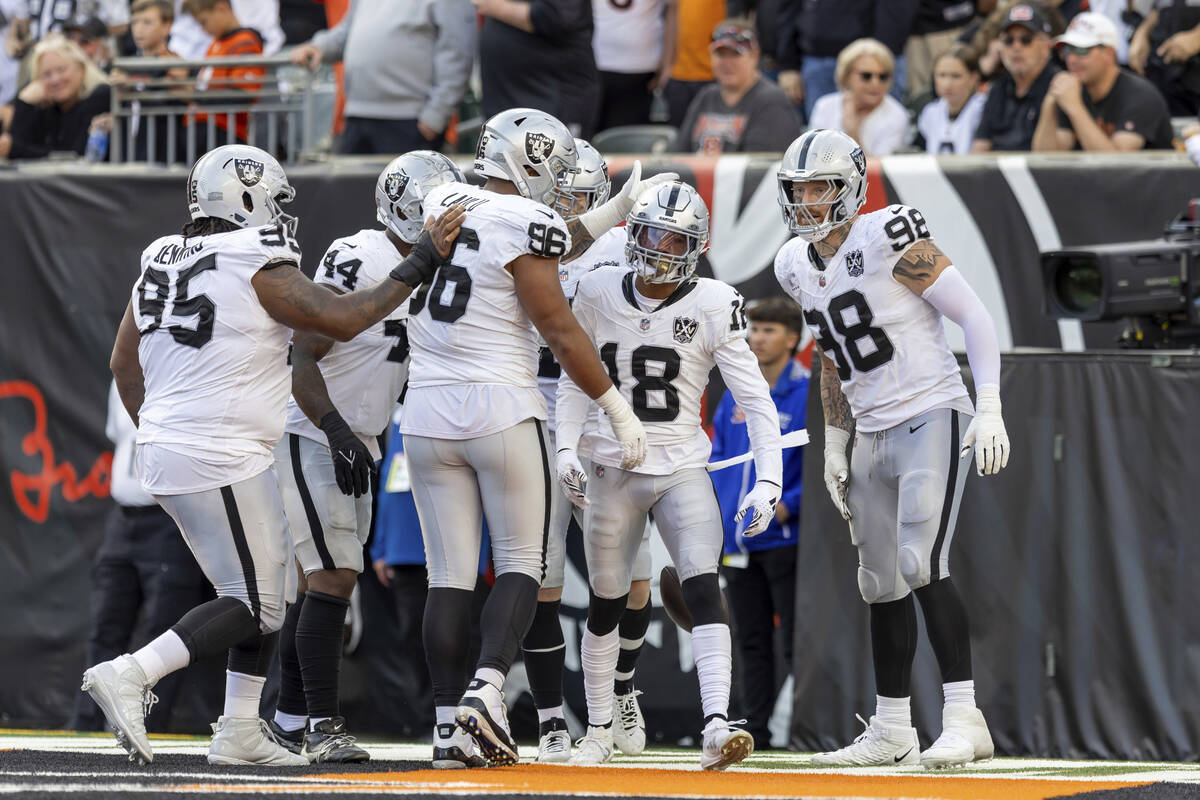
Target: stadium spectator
<point>13,24</point>
<point>143,564</point>
<point>760,572</point>
<point>692,68</point>
<point>55,111</point>
<point>936,27</point>
<point>538,54</point>
<point>1095,105</point>
<point>150,24</point>
<point>985,39</point>
<point>634,46</point>
<point>812,33</point>
<point>862,108</point>
<point>1166,49</point>
<point>219,21</point>
<point>742,112</point>
<point>191,42</point>
<point>48,16</point>
<point>91,34</point>
<point>1126,15</point>
<point>406,71</point>
<point>1014,101</point>
<point>948,124</point>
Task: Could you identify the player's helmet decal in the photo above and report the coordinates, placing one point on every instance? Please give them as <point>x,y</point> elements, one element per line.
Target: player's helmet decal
<point>249,171</point>
<point>860,161</point>
<point>685,329</point>
<point>394,186</point>
<point>537,146</point>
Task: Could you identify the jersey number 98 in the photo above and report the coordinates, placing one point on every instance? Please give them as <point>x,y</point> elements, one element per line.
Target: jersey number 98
<point>851,334</point>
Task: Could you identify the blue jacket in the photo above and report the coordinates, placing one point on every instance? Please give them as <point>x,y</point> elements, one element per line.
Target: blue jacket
<point>730,438</point>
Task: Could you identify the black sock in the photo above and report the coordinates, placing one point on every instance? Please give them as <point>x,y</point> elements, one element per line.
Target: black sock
<point>253,656</point>
<point>445,634</point>
<point>634,623</point>
<point>319,650</point>
<point>949,632</point>
<point>545,656</point>
<point>507,615</point>
<point>893,645</point>
<point>291,684</point>
<point>214,627</point>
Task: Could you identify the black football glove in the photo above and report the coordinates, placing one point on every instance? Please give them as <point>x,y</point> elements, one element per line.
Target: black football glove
<point>352,462</point>
<point>422,261</point>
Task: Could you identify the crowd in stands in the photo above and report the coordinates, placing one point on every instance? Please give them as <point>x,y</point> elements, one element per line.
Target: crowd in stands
<point>941,76</point>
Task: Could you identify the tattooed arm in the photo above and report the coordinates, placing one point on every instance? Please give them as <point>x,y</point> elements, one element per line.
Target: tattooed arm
<point>833,399</point>
<point>308,384</point>
<point>581,240</point>
<point>920,266</point>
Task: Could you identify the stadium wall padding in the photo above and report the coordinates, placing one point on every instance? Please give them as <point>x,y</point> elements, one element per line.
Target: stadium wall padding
<point>71,236</point>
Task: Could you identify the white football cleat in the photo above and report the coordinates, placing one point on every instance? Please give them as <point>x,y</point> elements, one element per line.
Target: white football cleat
<point>554,745</point>
<point>965,738</point>
<point>725,746</point>
<point>629,726</point>
<point>247,740</point>
<point>595,748</point>
<point>121,690</point>
<point>481,713</point>
<point>877,746</point>
<point>453,748</point>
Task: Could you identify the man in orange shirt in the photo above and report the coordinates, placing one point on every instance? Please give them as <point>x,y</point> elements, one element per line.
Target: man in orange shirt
<point>693,64</point>
<point>217,19</point>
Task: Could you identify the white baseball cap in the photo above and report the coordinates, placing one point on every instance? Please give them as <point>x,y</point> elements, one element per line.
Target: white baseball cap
<point>1090,29</point>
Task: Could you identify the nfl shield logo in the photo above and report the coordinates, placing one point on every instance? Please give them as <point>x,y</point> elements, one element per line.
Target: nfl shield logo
<point>645,324</point>
<point>685,329</point>
<point>599,470</point>
<point>537,146</point>
<point>394,185</point>
<point>248,170</point>
<point>854,263</point>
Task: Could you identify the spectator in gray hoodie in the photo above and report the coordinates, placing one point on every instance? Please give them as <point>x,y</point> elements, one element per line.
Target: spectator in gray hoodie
<point>407,66</point>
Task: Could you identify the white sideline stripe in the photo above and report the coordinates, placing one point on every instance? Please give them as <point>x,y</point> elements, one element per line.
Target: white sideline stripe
<point>920,182</point>
<point>1015,170</point>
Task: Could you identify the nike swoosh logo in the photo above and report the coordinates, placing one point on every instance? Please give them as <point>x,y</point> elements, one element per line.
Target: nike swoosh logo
<point>901,758</point>
<point>547,213</point>
<point>922,425</point>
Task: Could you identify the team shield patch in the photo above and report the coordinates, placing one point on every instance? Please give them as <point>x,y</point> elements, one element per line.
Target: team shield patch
<point>854,263</point>
<point>249,171</point>
<point>537,147</point>
<point>860,161</point>
<point>394,186</point>
<point>685,329</point>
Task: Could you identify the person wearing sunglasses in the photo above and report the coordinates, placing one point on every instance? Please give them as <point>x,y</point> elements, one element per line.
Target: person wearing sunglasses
<point>862,108</point>
<point>1015,98</point>
<point>1094,105</point>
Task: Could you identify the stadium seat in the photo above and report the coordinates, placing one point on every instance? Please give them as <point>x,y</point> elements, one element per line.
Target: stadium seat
<point>635,139</point>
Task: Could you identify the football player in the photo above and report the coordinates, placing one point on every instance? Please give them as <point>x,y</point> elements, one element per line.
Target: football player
<point>200,361</point>
<point>325,460</point>
<point>544,647</point>
<point>473,423</point>
<point>660,330</point>
<point>874,288</point>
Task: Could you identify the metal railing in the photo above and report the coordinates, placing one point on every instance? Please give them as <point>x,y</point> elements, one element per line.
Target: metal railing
<point>171,110</point>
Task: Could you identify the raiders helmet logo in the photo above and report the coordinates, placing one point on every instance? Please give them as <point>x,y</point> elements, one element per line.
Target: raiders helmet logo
<point>537,147</point>
<point>854,263</point>
<point>394,186</point>
<point>685,329</point>
<point>248,170</point>
<point>860,161</point>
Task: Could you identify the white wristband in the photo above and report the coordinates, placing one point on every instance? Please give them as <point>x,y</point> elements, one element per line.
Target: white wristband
<point>613,404</point>
<point>600,221</point>
<point>836,439</point>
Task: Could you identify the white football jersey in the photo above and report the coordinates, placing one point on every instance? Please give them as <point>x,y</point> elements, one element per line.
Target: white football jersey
<point>888,343</point>
<point>474,349</point>
<point>215,362</point>
<point>366,374</point>
<point>660,361</point>
<point>607,251</point>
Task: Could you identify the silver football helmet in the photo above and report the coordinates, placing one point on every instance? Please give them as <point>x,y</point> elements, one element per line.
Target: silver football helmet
<point>401,188</point>
<point>591,182</point>
<point>242,184</point>
<point>836,159</point>
<point>666,232</point>
<point>531,149</point>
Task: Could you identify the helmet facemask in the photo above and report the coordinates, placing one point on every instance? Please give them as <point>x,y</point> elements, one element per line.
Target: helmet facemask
<point>662,255</point>
<point>287,221</point>
<point>802,217</point>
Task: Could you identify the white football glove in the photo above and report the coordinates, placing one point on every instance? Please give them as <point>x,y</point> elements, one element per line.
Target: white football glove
<point>626,427</point>
<point>600,220</point>
<point>986,433</point>
<point>759,503</point>
<point>572,477</point>
<point>837,468</point>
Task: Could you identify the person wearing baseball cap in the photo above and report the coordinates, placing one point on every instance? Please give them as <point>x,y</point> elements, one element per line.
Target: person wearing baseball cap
<point>1014,101</point>
<point>1095,105</point>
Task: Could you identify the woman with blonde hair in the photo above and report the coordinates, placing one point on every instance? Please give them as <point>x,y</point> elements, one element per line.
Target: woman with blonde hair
<point>862,108</point>
<point>55,111</point>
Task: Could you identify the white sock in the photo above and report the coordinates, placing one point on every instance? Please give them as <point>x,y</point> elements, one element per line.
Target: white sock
<point>312,722</point>
<point>242,693</point>
<point>713,651</point>
<point>895,712</point>
<point>444,714</point>
<point>960,693</point>
<point>161,657</point>
<point>290,722</point>
<point>491,675</point>
<point>599,657</point>
<point>545,714</point>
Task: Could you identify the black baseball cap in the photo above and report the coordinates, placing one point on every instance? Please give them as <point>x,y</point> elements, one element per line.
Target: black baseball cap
<point>90,27</point>
<point>1029,17</point>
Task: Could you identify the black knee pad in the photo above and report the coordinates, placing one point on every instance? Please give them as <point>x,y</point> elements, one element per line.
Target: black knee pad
<point>215,626</point>
<point>702,596</point>
<point>253,656</point>
<point>604,615</point>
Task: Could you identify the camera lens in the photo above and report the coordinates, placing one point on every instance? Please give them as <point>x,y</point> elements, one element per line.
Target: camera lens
<point>1077,284</point>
